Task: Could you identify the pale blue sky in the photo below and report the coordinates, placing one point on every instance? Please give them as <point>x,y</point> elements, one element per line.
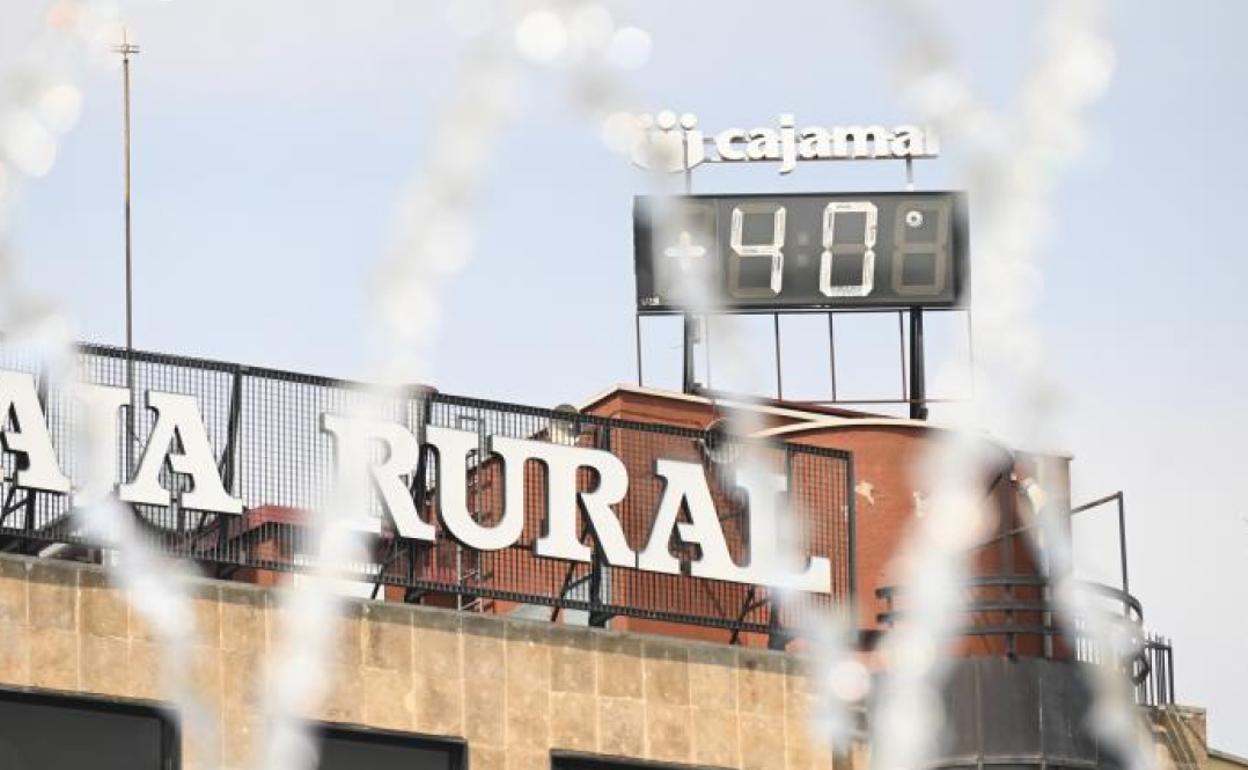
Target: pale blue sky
<point>272,139</point>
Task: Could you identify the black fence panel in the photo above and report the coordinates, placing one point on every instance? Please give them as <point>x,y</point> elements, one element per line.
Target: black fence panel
<point>264,429</point>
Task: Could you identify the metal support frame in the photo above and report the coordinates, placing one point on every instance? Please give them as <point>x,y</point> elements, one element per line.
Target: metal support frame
<point>777,639</point>
<point>746,605</point>
<point>1122,529</point>
<point>689,383</point>
<point>918,373</point>
<point>911,356</point>
<point>775,322</point>
<point>637,341</point>
<point>832,352</point>
<point>901,354</point>
<point>598,560</point>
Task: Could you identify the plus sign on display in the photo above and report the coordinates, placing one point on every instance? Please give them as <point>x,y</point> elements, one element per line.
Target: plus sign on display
<point>685,250</point>
<point>816,251</point>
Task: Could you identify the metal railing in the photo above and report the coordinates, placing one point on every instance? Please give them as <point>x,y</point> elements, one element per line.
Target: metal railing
<point>1016,615</point>
<point>264,429</point>
<point>1157,689</point>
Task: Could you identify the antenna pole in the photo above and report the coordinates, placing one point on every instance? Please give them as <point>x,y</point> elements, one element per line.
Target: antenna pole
<point>689,377</point>
<point>128,49</point>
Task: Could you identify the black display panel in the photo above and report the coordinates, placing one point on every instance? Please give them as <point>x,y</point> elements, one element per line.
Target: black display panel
<point>813,250</point>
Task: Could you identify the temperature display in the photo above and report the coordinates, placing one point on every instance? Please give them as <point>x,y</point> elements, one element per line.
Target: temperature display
<point>775,252</point>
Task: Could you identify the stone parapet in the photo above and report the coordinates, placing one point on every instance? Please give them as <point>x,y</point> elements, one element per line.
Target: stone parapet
<point>514,690</point>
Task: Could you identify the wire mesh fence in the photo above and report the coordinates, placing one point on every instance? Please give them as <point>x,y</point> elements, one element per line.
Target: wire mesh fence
<point>264,429</point>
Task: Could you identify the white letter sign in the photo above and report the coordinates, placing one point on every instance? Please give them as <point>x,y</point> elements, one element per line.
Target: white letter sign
<point>29,435</point>
<point>178,417</point>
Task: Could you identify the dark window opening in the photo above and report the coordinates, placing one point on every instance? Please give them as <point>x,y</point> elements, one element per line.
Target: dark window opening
<point>361,749</point>
<point>574,761</point>
<point>43,731</point>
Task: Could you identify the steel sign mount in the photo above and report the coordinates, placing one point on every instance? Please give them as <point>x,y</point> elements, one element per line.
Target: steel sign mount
<point>816,251</point>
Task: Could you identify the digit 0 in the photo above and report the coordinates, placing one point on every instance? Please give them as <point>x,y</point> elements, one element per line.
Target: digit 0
<point>774,250</point>
<point>834,252</point>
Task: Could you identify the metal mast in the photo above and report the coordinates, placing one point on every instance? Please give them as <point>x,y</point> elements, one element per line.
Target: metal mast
<point>128,49</point>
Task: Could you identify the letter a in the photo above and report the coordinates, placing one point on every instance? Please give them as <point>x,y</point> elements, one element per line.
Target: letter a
<point>686,483</point>
<point>177,416</point>
<point>29,435</point>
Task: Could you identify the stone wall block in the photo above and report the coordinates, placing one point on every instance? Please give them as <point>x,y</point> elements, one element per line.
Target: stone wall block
<point>388,699</point>
<point>619,666</point>
<point>14,654</point>
<point>241,734</point>
<point>53,658</point>
<point>206,675</point>
<point>481,757</point>
<point>528,657</point>
<point>206,603</point>
<point>345,701</point>
<point>760,683</point>
<point>715,737</point>
<point>387,638</point>
<point>145,670</point>
<point>713,677</point>
<point>621,727</point>
<point>527,760</point>
<point>437,673</point>
<point>53,595</point>
<point>528,687</point>
<point>573,726</point>
<point>485,682</point>
<point>572,663</point>
<point>242,619</point>
<point>800,690</point>
<point>103,607</point>
<point>349,636</point>
<point>820,751</point>
<point>762,742</point>
<point>14,588</point>
<point>528,719</point>
<point>669,733</point>
<point>665,668</point>
<point>244,677</point>
<point>103,665</point>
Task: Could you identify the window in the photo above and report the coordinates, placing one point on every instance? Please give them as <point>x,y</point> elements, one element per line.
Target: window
<point>42,731</point>
<point>562,760</point>
<point>355,749</point>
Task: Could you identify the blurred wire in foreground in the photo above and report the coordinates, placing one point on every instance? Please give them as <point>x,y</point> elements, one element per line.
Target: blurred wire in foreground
<point>1012,166</point>
<point>40,101</point>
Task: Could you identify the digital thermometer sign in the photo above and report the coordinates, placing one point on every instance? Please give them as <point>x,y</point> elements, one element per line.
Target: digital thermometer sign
<point>808,251</point>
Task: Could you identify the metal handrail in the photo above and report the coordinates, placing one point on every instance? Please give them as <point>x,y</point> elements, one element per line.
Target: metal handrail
<point>1133,610</point>
<point>1151,669</point>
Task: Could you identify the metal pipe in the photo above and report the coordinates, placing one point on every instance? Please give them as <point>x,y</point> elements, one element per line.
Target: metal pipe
<point>706,346</point>
<point>832,352</point>
<point>1170,667</point>
<point>775,320</point>
<point>1122,542</point>
<point>127,49</point>
<point>918,375</point>
<point>901,349</point>
<point>688,381</point>
<point>637,337</point>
